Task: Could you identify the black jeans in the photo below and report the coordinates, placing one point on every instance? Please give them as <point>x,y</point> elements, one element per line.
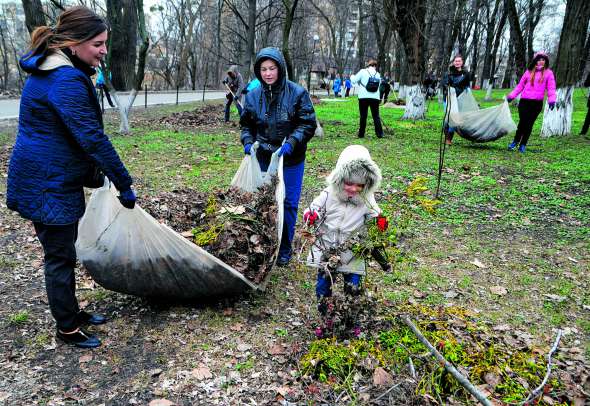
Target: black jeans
<point>60,260</point>
<point>528,111</point>
<point>364,105</point>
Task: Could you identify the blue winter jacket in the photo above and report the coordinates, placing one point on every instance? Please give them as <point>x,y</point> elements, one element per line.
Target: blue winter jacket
<point>60,140</point>
<point>276,112</point>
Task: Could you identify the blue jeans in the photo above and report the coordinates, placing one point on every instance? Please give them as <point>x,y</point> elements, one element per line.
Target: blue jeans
<point>323,287</point>
<point>293,176</point>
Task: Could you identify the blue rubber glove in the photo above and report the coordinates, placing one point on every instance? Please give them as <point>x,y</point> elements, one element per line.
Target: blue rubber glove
<point>247,149</point>
<point>286,149</point>
<point>551,105</point>
<point>127,198</point>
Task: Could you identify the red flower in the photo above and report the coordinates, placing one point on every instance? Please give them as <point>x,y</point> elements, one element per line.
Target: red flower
<point>382,223</point>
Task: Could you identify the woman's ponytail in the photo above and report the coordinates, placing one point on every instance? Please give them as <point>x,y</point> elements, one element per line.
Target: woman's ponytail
<point>40,39</point>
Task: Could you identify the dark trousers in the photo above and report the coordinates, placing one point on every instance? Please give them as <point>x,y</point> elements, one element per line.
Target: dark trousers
<point>323,287</point>
<point>586,123</point>
<point>229,101</point>
<point>347,92</point>
<point>293,176</point>
<point>528,111</point>
<point>60,282</point>
<point>364,105</point>
<point>385,95</point>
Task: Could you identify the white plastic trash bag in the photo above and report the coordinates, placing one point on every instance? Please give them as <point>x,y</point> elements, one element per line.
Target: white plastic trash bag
<point>249,176</point>
<point>128,251</point>
<point>477,125</point>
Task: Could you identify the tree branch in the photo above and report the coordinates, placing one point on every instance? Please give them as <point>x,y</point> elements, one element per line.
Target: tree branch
<point>448,366</point>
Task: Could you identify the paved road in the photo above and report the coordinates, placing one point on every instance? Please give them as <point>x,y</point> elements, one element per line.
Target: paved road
<point>9,108</point>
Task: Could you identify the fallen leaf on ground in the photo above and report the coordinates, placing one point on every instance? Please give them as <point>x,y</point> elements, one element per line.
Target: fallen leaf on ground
<point>201,373</point>
<point>498,290</point>
<point>381,377</point>
<point>277,349</point>
<point>477,263</point>
<point>161,402</point>
<point>85,358</point>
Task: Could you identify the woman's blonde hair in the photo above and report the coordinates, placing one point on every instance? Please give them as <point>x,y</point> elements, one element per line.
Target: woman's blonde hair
<point>74,26</point>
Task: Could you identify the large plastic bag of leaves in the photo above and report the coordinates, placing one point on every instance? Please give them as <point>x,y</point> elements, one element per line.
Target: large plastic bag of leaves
<point>477,125</point>
<point>248,176</point>
<point>128,251</point>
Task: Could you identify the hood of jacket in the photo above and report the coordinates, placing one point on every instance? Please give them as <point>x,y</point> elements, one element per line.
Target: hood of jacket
<point>233,69</point>
<point>53,59</point>
<point>277,56</point>
<point>355,165</point>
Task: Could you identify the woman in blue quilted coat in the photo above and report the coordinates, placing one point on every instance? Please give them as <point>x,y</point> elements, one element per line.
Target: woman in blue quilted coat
<point>60,148</point>
<point>280,116</point>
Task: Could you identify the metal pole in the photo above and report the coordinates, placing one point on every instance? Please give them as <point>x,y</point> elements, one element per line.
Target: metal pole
<point>177,88</point>
<point>145,96</point>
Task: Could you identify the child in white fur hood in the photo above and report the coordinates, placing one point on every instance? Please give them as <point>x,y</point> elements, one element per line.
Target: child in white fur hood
<point>340,212</point>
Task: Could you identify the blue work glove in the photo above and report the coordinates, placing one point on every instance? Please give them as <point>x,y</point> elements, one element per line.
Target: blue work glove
<point>509,99</point>
<point>286,149</point>
<point>247,149</point>
<point>551,105</point>
<point>127,198</point>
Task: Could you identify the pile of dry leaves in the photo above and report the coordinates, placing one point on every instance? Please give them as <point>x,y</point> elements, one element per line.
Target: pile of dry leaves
<point>209,114</point>
<point>237,227</point>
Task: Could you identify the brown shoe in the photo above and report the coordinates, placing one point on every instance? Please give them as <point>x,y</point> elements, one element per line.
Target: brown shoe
<point>448,142</point>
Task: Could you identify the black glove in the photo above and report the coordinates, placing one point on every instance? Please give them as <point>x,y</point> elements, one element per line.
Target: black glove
<point>127,198</point>
<point>225,81</point>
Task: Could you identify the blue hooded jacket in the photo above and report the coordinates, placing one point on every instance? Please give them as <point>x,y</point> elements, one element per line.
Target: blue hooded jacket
<point>60,142</point>
<point>275,112</point>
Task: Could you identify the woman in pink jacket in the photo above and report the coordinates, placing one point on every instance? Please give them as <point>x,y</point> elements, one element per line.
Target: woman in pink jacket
<point>536,80</point>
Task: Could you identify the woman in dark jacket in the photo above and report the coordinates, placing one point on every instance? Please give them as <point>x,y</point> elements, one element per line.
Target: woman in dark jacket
<point>279,115</point>
<point>60,148</point>
<point>459,79</point>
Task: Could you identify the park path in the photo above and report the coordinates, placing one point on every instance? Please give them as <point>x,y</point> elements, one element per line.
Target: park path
<point>9,107</point>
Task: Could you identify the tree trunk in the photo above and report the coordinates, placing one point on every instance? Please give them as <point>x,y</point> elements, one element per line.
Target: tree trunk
<point>571,47</point>
<point>361,35</point>
<point>34,15</point>
<point>251,37</point>
<point>290,8</point>
<point>122,17</point>
<point>408,17</point>
<point>516,36</point>
<point>509,72</point>
<point>4,54</point>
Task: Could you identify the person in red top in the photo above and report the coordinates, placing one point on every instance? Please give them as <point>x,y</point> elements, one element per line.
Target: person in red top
<point>537,80</point>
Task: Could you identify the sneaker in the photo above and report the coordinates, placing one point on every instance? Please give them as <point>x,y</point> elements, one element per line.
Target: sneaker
<point>512,146</point>
<point>448,142</point>
<point>88,318</point>
<point>521,149</point>
<point>282,261</point>
<point>79,338</point>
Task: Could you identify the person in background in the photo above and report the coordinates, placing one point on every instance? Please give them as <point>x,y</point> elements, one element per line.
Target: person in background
<point>60,148</point>
<point>279,115</point>
<point>235,85</point>
<point>337,85</point>
<point>587,119</point>
<point>102,88</point>
<point>459,79</point>
<point>369,81</point>
<point>342,211</point>
<point>347,86</point>
<point>537,80</point>
<point>384,88</point>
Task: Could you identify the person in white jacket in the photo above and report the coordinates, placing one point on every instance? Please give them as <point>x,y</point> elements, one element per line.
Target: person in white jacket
<point>340,212</point>
<point>368,97</point>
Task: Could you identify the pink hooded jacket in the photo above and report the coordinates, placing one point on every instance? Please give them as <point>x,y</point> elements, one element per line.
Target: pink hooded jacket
<point>535,91</point>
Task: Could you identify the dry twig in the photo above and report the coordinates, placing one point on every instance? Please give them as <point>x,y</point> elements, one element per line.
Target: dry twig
<point>448,366</point>
<point>539,389</point>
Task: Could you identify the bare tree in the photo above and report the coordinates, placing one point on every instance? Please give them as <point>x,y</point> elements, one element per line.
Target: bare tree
<point>34,14</point>
<point>571,48</point>
<point>122,17</point>
<point>516,36</point>
<point>290,7</point>
<point>408,18</point>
